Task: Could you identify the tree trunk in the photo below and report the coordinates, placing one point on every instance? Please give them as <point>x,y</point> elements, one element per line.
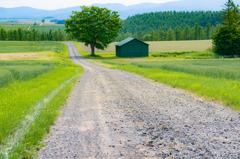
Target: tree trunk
<point>92,49</point>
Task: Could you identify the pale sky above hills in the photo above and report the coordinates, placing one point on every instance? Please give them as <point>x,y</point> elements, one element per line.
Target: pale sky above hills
<point>57,4</point>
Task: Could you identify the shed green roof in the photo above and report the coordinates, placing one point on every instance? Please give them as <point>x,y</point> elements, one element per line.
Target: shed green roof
<point>128,40</point>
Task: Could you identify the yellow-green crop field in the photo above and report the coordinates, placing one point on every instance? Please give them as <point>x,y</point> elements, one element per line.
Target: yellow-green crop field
<point>163,46</point>
<point>31,95</point>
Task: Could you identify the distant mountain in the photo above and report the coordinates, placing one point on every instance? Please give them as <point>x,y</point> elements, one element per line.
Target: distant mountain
<point>124,11</point>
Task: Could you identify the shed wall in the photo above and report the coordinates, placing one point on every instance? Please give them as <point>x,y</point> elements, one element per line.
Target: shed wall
<point>118,51</point>
<point>134,48</point>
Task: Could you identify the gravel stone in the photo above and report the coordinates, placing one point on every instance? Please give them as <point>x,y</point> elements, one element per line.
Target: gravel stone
<point>110,105</point>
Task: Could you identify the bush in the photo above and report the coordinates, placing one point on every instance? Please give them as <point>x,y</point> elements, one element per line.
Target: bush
<point>227,41</point>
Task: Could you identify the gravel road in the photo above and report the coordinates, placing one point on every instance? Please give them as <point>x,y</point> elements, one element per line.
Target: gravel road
<point>116,114</point>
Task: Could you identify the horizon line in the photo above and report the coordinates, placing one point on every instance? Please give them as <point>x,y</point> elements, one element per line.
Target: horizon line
<point>87,5</point>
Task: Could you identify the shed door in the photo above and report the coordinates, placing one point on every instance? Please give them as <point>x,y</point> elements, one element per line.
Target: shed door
<point>134,50</point>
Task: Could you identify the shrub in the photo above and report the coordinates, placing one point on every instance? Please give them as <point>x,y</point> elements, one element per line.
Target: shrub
<point>227,41</point>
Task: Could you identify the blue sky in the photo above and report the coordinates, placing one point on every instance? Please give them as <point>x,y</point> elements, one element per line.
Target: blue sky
<point>57,4</point>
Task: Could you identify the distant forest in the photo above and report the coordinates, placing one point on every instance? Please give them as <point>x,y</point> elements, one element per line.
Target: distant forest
<point>33,35</point>
<point>171,25</point>
<point>158,26</point>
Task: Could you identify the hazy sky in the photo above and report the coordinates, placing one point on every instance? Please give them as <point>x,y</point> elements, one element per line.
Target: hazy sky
<point>57,4</point>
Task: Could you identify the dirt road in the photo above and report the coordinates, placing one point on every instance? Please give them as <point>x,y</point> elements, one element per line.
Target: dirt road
<point>115,114</point>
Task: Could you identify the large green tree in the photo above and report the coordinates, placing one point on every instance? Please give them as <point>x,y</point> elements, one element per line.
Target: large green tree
<point>94,26</point>
<point>227,40</point>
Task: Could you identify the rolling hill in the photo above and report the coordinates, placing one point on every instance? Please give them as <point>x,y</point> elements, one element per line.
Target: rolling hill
<point>124,11</point>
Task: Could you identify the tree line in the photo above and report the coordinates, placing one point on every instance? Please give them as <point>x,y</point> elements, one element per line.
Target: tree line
<point>147,21</point>
<point>33,35</point>
<point>197,32</point>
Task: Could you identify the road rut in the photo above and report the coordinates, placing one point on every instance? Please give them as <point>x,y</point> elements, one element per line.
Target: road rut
<point>116,114</point>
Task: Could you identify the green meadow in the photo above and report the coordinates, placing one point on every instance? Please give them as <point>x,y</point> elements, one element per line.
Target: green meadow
<point>31,95</point>
<point>30,46</point>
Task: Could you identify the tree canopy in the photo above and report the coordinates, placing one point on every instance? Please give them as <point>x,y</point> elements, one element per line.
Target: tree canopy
<point>94,26</point>
<point>147,21</point>
<point>230,15</point>
<point>227,40</point>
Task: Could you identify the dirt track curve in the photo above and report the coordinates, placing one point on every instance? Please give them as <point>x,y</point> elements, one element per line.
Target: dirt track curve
<point>116,114</point>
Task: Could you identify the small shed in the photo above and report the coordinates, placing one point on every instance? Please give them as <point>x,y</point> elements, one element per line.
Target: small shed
<point>132,47</point>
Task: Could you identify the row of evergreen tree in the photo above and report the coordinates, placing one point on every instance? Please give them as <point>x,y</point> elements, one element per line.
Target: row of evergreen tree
<point>147,21</point>
<point>33,35</point>
<point>187,33</point>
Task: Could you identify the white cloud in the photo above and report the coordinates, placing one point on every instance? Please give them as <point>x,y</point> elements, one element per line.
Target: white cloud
<point>57,4</point>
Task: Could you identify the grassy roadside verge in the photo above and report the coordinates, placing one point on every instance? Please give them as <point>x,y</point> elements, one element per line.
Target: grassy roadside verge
<point>20,100</point>
<point>212,89</point>
<point>97,55</point>
<point>225,87</point>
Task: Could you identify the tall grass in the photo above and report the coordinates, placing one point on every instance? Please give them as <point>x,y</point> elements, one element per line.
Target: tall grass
<point>25,72</point>
<point>21,71</point>
<point>186,54</point>
<point>5,76</point>
<point>228,69</point>
<point>17,99</point>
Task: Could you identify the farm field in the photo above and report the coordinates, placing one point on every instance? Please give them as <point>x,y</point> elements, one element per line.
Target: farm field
<point>28,103</point>
<point>159,53</point>
<point>48,27</point>
<point>30,46</point>
<point>44,27</point>
<point>163,46</point>
<point>9,26</point>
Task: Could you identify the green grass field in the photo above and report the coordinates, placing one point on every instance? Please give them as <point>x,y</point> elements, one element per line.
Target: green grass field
<point>9,26</point>
<point>44,27</point>
<point>30,46</point>
<point>31,94</point>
